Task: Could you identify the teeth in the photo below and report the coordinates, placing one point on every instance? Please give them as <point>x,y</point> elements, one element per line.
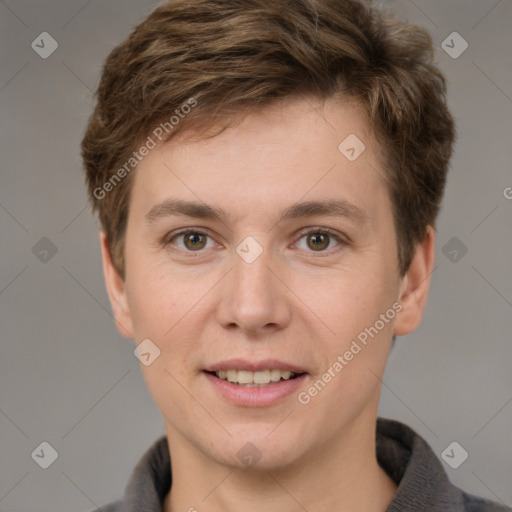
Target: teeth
<point>245,377</point>
<point>254,379</point>
<point>262,377</point>
<point>231,375</point>
<point>275,375</point>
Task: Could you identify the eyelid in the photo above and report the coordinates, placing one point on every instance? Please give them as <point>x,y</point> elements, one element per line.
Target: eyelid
<point>166,240</point>
<point>340,238</point>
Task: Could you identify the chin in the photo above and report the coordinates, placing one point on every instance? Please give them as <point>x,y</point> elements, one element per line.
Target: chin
<point>259,448</point>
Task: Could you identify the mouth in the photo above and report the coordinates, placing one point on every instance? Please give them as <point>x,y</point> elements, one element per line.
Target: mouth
<point>260,378</point>
<point>255,383</point>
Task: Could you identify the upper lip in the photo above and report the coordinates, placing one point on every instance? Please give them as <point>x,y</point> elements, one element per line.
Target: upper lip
<point>254,366</point>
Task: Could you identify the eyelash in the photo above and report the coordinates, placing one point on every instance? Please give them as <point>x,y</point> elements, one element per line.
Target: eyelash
<point>190,254</point>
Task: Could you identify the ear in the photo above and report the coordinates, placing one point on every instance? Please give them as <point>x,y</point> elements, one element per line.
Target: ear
<point>415,286</point>
<point>116,291</point>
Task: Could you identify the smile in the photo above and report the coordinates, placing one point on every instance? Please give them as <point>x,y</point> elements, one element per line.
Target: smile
<point>255,379</point>
<point>255,394</point>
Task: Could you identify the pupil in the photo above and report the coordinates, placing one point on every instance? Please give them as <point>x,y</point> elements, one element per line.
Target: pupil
<point>193,238</point>
<point>314,237</point>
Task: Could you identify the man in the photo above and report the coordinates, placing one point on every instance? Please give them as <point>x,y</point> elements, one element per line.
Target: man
<point>267,176</point>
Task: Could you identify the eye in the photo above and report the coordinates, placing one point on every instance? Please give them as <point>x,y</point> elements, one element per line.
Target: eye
<point>318,239</point>
<point>194,240</point>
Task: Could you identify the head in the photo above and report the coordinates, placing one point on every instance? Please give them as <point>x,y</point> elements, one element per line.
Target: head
<point>250,109</point>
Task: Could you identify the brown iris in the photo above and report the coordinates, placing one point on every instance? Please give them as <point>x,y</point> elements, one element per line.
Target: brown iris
<point>194,239</point>
<point>319,245</point>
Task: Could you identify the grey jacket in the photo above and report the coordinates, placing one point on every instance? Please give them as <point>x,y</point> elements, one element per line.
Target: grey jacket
<point>423,484</point>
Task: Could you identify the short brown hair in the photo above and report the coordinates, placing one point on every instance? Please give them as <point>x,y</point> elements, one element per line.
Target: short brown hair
<point>230,56</point>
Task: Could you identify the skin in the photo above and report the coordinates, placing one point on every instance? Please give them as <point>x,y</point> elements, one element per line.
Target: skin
<point>295,302</point>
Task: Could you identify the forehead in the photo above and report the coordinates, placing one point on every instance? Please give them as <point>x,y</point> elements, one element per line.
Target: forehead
<point>300,149</point>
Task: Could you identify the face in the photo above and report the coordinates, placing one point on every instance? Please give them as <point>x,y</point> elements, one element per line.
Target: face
<point>259,281</point>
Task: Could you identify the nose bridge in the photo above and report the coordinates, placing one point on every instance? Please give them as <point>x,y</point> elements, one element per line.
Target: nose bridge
<point>253,298</point>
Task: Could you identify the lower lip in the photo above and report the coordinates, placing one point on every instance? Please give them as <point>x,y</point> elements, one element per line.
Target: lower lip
<point>255,396</point>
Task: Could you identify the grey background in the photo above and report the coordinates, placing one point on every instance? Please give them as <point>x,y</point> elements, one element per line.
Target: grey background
<point>67,377</point>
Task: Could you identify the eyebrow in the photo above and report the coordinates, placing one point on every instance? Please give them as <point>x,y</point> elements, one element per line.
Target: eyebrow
<point>327,207</point>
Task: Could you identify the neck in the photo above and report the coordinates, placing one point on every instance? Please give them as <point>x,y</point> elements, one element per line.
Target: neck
<point>343,477</point>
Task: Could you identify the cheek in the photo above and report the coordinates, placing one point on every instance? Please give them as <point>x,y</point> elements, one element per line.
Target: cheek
<point>153,300</point>
<point>353,309</point>
<point>168,308</point>
<point>355,299</point>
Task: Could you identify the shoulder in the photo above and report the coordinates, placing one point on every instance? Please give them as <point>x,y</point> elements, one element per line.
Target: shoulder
<point>423,483</point>
<point>149,482</point>
<point>474,503</point>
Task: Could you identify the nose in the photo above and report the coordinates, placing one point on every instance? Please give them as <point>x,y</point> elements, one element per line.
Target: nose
<point>255,298</point>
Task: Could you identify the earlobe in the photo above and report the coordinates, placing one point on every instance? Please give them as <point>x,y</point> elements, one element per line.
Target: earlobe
<point>116,291</point>
<point>415,285</point>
